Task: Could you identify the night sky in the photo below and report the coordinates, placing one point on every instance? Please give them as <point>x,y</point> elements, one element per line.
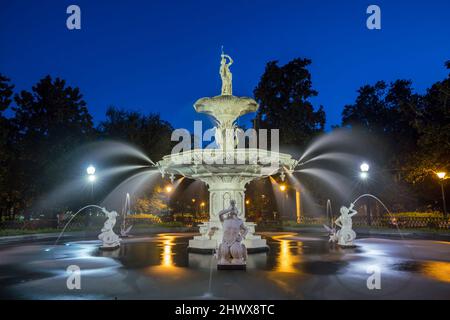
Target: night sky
<point>161,56</point>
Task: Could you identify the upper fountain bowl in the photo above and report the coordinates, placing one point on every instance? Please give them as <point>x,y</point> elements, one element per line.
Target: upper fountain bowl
<point>226,108</point>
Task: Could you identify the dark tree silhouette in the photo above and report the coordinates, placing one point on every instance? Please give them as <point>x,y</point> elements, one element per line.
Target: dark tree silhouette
<point>51,121</point>
<point>283,94</point>
<point>389,113</point>
<point>148,132</point>
<point>433,125</point>
<point>7,194</point>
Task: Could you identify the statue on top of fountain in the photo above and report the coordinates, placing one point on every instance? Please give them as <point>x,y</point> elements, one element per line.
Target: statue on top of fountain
<point>232,251</point>
<point>226,75</point>
<point>345,235</point>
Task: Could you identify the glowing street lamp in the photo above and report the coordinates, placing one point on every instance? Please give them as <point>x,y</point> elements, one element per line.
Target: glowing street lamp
<point>247,202</point>
<point>364,167</point>
<point>202,206</point>
<point>90,170</point>
<point>169,189</point>
<point>91,178</point>
<point>283,188</point>
<point>442,175</point>
<point>364,174</point>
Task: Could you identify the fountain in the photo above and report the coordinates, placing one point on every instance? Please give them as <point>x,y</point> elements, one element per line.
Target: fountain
<point>232,168</point>
<point>124,229</point>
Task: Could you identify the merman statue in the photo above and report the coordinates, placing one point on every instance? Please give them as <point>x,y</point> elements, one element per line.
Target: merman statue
<point>232,253</point>
<point>345,235</point>
<point>110,240</point>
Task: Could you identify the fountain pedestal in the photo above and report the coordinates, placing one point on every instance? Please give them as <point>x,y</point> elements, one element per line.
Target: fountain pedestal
<point>222,189</point>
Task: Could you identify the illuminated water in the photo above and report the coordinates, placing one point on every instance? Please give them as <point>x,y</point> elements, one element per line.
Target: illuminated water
<point>159,267</point>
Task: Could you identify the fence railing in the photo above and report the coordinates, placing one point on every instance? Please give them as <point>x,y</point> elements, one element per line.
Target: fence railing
<point>439,223</point>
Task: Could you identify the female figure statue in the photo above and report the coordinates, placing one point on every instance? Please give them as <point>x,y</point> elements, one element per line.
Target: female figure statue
<point>226,75</point>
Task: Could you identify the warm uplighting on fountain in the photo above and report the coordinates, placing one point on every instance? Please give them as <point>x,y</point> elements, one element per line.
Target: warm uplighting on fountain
<point>441,175</point>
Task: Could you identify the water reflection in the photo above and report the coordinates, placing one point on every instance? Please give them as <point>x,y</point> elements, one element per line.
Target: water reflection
<point>438,270</point>
<point>166,256</point>
<point>289,254</point>
<point>297,266</point>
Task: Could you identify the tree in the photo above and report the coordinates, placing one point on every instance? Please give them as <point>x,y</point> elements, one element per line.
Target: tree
<point>50,120</point>
<point>413,133</point>
<point>388,114</point>
<point>433,125</point>
<point>283,94</point>
<point>148,132</point>
<point>6,91</point>
<point>6,150</point>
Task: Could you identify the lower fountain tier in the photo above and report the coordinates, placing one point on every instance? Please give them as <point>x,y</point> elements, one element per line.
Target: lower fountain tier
<point>211,236</point>
<point>226,181</point>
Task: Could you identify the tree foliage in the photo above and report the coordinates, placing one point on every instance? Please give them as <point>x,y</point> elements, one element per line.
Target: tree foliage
<point>48,122</point>
<point>433,126</point>
<point>411,130</point>
<point>6,150</point>
<point>148,132</point>
<point>388,112</point>
<point>283,94</point>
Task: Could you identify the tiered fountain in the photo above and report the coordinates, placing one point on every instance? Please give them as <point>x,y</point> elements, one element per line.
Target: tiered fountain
<point>226,169</point>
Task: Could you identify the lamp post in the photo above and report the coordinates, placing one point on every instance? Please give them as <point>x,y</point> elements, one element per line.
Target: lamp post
<point>364,175</point>
<point>194,211</point>
<point>168,189</point>
<point>283,189</point>
<point>91,178</point>
<point>442,175</point>
<point>90,170</point>
<point>202,205</point>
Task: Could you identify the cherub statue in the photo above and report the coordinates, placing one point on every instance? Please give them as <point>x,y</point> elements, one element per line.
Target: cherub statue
<point>109,238</point>
<point>231,250</point>
<point>226,75</point>
<point>346,235</point>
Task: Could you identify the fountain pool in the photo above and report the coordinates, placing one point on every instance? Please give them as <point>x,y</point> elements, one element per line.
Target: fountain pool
<point>298,266</point>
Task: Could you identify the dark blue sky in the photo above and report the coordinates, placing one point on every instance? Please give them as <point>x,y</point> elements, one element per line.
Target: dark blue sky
<point>160,56</point>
